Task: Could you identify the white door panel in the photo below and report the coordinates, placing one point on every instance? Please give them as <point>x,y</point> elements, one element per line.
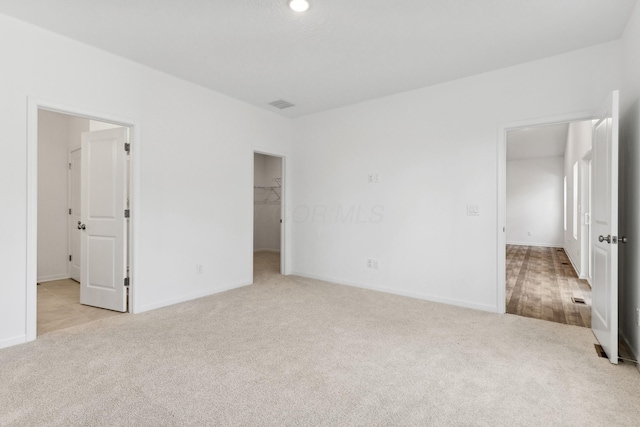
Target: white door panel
<point>103,235</point>
<point>604,309</point>
<point>600,304</point>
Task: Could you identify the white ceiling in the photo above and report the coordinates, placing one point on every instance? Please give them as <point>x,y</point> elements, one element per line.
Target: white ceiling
<point>537,142</point>
<point>339,52</point>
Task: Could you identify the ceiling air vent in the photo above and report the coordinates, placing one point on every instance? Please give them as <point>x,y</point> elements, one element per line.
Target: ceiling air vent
<point>281,104</point>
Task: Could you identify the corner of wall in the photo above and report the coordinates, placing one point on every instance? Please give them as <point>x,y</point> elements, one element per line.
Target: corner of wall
<point>630,183</point>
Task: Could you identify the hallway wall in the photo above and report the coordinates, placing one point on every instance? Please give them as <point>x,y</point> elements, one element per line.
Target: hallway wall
<point>630,184</point>
<point>578,145</point>
<point>534,202</point>
<point>53,196</point>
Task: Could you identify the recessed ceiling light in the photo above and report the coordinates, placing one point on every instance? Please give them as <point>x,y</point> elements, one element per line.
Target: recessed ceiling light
<point>299,5</point>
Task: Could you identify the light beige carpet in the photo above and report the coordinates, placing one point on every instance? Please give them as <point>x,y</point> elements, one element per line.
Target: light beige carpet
<point>293,351</point>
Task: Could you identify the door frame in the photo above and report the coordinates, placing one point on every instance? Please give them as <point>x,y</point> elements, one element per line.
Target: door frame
<point>283,198</point>
<point>33,105</point>
<point>586,176</point>
<point>501,250</point>
<point>70,205</point>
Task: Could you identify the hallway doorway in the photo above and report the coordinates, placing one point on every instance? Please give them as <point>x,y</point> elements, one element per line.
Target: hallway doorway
<point>547,213</point>
<point>77,252</point>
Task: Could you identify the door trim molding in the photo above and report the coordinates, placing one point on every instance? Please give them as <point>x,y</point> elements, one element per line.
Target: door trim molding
<point>69,204</point>
<point>502,191</point>
<point>33,105</point>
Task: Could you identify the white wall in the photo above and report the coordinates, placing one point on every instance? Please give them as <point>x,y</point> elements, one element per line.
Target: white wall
<point>534,202</point>
<point>435,150</point>
<point>97,125</point>
<point>267,203</point>
<point>77,125</point>
<point>53,218</point>
<point>578,145</point>
<point>57,135</point>
<point>192,163</point>
<point>630,183</point>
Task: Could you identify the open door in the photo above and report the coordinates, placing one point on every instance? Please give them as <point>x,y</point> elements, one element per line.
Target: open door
<point>103,225</point>
<point>604,308</point>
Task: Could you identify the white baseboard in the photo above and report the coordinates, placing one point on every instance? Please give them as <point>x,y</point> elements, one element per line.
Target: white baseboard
<point>575,268</point>
<point>267,250</point>
<point>539,245</point>
<point>166,303</point>
<point>417,295</point>
<point>9,342</point>
<point>52,277</point>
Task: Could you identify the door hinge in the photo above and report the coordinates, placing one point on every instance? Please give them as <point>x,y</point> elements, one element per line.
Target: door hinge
<point>69,165</point>
<point>127,213</point>
<point>69,211</point>
<point>127,147</point>
<point>126,281</point>
<point>69,257</point>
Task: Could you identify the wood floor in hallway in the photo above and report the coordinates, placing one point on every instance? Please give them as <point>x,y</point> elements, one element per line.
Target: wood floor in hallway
<point>540,284</point>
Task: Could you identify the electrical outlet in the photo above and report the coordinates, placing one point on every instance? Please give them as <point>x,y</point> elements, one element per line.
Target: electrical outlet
<point>529,233</point>
<point>198,268</point>
<point>473,210</point>
<point>372,263</point>
<point>374,178</point>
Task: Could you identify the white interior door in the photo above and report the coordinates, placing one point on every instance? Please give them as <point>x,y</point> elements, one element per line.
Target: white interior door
<point>103,225</point>
<point>75,163</point>
<point>604,309</point>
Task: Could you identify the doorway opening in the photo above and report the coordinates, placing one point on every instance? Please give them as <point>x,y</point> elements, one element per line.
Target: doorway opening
<point>78,220</point>
<point>602,218</point>
<point>268,208</point>
<point>547,222</point>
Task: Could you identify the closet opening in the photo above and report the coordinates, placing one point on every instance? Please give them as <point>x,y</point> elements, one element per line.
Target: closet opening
<point>268,218</point>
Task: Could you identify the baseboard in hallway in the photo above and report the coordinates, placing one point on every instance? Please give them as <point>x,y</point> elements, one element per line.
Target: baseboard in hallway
<point>52,278</point>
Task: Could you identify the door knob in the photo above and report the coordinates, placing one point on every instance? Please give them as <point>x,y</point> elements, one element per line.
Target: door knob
<point>603,239</point>
<point>623,239</point>
<point>81,226</point>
